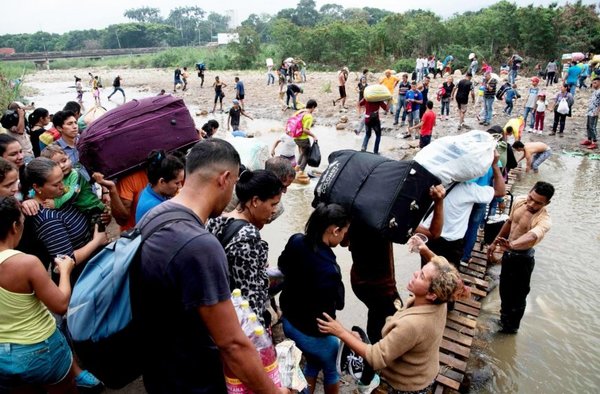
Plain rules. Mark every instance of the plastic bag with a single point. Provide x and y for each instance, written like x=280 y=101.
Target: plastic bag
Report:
x=288 y=359
x=253 y=152
x=314 y=155
x=563 y=106
x=458 y=158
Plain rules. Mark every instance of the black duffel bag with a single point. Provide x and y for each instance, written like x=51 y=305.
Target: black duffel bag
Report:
x=388 y=195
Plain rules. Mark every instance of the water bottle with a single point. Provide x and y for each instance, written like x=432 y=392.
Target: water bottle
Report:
x=268 y=354
x=236 y=298
x=243 y=311
x=249 y=324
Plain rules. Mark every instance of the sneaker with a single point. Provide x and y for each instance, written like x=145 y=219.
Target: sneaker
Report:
x=586 y=142
x=88 y=383
x=367 y=389
x=348 y=362
x=593 y=145
x=356 y=132
x=529 y=130
x=539 y=132
x=553 y=133
x=402 y=124
x=395 y=124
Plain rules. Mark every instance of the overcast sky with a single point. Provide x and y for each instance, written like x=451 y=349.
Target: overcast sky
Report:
x=52 y=15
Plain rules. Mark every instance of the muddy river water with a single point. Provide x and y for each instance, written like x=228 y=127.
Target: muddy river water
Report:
x=557 y=349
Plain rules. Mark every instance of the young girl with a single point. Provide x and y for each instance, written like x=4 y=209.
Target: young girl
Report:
x=38 y=120
x=448 y=88
x=79 y=89
x=540 y=111
x=313 y=286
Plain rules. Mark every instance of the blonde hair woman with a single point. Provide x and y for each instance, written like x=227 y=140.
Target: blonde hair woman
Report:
x=407 y=357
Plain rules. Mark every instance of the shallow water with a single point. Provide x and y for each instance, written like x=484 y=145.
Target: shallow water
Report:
x=557 y=348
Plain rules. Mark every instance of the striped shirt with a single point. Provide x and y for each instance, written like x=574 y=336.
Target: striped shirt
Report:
x=62 y=231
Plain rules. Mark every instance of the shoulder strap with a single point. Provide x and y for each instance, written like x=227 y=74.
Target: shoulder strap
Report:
x=165 y=218
x=430 y=210
x=231 y=230
x=7 y=254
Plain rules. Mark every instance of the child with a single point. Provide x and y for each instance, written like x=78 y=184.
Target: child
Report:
x=287 y=150
x=96 y=91
x=540 y=111
x=79 y=89
x=530 y=104
x=77 y=189
x=233 y=119
x=510 y=96
x=426 y=126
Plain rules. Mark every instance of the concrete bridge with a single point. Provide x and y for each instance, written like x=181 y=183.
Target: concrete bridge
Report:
x=42 y=59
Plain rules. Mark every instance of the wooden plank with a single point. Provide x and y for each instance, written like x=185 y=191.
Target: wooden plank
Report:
x=460 y=328
x=458 y=337
x=465 y=321
x=477 y=292
x=439 y=389
x=453 y=362
x=449 y=373
x=475 y=281
x=482 y=269
x=443 y=380
x=455 y=348
x=466 y=309
x=467 y=271
x=471 y=302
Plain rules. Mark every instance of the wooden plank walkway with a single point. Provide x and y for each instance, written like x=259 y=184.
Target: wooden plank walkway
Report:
x=462 y=321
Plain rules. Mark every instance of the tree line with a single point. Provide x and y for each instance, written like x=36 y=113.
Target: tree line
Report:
x=332 y=35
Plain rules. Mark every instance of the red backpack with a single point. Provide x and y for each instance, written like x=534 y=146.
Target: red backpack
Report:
x=293 y=127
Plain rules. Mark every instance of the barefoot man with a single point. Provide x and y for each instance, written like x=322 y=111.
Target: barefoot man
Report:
x=534 y=153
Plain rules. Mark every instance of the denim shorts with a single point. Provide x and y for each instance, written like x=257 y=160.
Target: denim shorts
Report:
x=320 y=353
x=44 y=363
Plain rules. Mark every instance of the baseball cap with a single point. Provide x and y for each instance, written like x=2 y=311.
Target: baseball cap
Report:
x=235 y=101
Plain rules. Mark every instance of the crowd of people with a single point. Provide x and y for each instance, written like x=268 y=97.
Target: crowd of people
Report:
x=54 y=215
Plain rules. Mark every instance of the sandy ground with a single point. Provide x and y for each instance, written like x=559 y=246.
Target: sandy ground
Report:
x=262 y=101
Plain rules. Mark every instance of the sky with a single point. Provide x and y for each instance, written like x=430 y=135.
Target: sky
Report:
x=50 y=15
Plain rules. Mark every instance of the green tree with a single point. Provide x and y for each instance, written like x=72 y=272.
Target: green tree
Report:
x=144 y=15
x=186 y=20
x=247 y=49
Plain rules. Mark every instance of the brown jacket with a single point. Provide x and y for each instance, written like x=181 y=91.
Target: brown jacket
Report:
x=408 y=355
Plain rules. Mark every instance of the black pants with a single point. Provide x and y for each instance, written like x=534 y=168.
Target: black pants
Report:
x=451 y=250
x=559 y=118
x=550 y=78
x=514 y=286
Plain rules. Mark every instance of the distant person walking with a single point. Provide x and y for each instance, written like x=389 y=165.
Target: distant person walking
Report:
x=117 y=87
x=177 y=79
x=79 y=89
x=240 y=92
x=201 y=68
x=184 y=77
x=219 y=93
x=551 y=70
x=342 y=78
x=461 y=94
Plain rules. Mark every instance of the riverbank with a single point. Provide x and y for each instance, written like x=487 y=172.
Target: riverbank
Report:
x=262 y=101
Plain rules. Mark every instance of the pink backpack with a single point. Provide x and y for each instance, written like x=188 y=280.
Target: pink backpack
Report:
x=293 y=127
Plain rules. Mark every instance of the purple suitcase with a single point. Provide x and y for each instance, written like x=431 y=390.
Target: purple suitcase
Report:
x=121 y=139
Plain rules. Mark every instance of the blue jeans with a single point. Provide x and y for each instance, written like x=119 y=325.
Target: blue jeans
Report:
x=572 y=87
x=290 y=95
x=445 y=106
x=320 y=353
x=509 y=107
x=526 y=112
x=373 y=125
x=489 y=108
x=401 y=105
x=270 y=78
x=539 y=158
x=512 y=76
x=582 y=81
x=477 y=215
x=44 y=363
x=592 y=122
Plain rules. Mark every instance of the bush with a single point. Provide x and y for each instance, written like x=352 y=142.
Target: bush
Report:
x=405 y=65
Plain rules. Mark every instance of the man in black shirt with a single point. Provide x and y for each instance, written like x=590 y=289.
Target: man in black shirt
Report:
x=181 y=287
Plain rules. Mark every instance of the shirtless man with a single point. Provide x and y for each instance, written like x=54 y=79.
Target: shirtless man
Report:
x=342 y=78
x=535 y=153
x=528 y=223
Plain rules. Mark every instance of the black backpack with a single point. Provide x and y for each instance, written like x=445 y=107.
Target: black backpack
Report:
x=502 y=91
